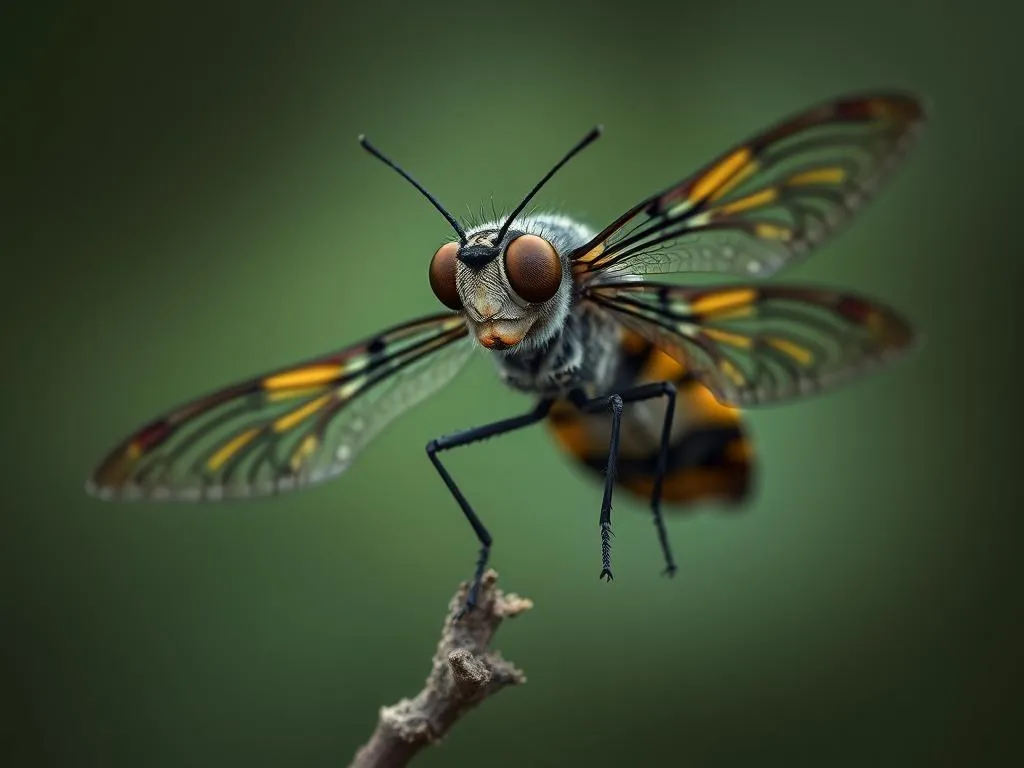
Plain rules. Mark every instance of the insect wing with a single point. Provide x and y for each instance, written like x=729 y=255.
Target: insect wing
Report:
x=757 y=344
x=765 y=202
x=288 y=428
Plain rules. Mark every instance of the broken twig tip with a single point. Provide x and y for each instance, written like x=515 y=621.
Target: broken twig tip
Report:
x=468 y=671
x=465 y=672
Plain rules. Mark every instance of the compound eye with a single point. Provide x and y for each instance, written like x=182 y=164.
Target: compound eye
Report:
x=533 y=268
x=442 y=276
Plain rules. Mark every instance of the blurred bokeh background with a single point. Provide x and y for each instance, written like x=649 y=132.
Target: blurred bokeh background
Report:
x=186 y=204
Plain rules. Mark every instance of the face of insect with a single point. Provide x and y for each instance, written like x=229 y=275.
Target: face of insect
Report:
x=514 y=293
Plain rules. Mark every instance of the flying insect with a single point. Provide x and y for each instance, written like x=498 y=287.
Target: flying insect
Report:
x=640 y=380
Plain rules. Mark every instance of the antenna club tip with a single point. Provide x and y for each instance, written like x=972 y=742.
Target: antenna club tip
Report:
x=361 y=138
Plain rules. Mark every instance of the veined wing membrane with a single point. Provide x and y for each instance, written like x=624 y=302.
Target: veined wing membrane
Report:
x=288 y=428
x=759 y=344
x=765 y=202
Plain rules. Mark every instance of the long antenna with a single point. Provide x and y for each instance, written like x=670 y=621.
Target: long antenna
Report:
x=594 y=133
x=433 y=200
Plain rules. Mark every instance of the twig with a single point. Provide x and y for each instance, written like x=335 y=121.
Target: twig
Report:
x=464 y=674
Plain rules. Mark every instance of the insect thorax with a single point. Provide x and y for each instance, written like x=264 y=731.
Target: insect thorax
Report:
x=584 y=352
x=583 y=355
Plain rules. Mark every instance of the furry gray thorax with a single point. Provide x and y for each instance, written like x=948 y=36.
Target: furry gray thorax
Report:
x=582 y=355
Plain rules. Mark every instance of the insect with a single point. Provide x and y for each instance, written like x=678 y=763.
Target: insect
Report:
x=640 y=380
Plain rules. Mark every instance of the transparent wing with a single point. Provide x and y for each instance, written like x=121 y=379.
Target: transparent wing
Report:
x=288 y=428
x=758 y=344
x=765 y=202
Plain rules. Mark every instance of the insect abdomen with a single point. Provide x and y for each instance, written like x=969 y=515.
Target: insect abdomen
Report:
x=710 y=457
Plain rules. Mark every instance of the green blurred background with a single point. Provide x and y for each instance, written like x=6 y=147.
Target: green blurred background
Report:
x=187 y=204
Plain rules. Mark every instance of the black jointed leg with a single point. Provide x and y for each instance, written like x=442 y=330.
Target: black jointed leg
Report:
x=466 y=437
x=615 y=402
x=669 y=391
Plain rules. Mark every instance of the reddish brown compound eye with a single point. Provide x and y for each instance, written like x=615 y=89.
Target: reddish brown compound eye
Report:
x=442 y=276
x=533 y=268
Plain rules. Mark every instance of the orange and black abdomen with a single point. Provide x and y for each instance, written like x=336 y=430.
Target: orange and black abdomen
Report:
x=710 y=458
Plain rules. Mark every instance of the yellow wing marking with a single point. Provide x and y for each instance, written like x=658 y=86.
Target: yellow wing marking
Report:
x=277 y=395
x=738 y=313
x=733 y=339
x=748 y=170
x=290 y=419
x=720 y=174
x=310 y=376
x=722 y=301
x=230 y=448
x=830 y=175
x=592 y=254
x=306 y=447
x=734 y=373
x=799 y=353
x=772 y=231
x=755 y=200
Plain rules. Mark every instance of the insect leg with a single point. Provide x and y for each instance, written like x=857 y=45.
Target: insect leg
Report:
x=645 y=393
x=636 y=394
x=614 y=402
x=466 y=437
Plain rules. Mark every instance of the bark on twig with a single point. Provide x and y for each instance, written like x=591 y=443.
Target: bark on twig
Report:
x=464 y=674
